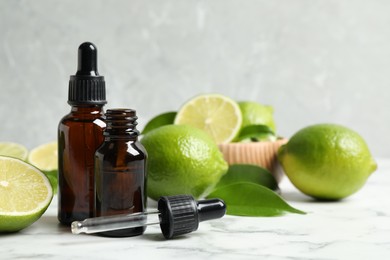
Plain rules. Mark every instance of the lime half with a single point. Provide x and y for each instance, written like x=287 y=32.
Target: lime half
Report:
x=216 y=114
x=25 y=194
x=13 y=150
x=45 y=158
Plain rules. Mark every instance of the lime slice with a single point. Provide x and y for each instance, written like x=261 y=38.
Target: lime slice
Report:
x=216 y=114
x=45 y=157
x=13 y=150
x=25 y=194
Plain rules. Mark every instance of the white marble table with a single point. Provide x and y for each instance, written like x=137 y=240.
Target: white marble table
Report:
x=356 y=228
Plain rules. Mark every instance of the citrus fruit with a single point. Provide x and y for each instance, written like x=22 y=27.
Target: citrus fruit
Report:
x=25 y=194
x=327 y=161
x=13 y=150
x=182 y=160
x=254 y=113
x=216 y=114
x=45 y=158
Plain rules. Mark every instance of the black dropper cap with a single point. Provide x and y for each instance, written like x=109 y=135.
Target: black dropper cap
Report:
x=87 y=87
x=181 y=214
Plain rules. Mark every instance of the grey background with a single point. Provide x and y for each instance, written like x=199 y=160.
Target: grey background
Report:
x=314 y=61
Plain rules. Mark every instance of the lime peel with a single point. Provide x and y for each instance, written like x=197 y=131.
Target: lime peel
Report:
x=327 y=161
x=254 y=113
x=182 y=160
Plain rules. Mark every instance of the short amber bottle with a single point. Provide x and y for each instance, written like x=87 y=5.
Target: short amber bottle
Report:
x=120 y=170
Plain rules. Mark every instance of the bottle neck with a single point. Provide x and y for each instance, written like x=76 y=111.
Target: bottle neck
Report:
x=87 y=108
x=121 y=124
x=87 y=112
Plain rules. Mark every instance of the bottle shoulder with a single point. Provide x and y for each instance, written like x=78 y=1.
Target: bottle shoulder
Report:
x=69 y=121
x=129 y=147
x=85 y=117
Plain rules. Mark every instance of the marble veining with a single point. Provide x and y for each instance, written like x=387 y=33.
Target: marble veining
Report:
x=356 y=228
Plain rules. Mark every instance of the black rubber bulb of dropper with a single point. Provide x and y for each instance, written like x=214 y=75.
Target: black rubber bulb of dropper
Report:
x=181 y=214
x=87 y=60
x=211 y=209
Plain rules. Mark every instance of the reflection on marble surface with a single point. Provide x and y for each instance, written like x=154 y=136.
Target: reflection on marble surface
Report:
x=356 y=228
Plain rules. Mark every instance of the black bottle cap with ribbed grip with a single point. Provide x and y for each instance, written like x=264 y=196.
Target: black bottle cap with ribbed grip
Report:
x=181 y=214
x=87 y=87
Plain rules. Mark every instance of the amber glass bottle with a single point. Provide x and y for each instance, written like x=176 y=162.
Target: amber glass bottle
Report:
x=120 y=170
x=80 y=133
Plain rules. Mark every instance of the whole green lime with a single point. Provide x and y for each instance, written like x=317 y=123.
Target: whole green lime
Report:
x=327 y=161
x=182 y=160
x=254 y=113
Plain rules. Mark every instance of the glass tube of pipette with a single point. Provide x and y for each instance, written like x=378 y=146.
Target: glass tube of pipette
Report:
x=115 y=222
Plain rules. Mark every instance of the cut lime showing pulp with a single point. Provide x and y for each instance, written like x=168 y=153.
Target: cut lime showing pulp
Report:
x=216 y=114
x=45 y=157
x=25 y=194
x=13 y=150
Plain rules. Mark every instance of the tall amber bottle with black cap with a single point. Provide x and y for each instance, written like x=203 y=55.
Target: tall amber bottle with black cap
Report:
x=80 y=133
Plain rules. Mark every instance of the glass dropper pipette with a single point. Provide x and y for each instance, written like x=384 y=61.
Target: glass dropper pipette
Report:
x=177 y=215
x=115 y=222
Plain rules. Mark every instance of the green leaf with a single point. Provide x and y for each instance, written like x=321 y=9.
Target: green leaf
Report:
x=248 y=173
x=250 y=199
x=256 y=133
x=159 y=120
